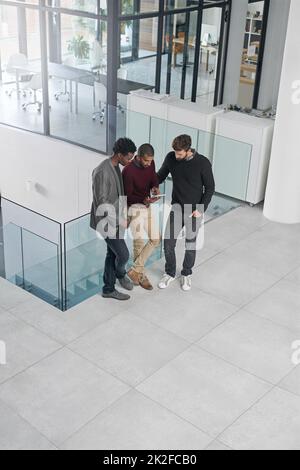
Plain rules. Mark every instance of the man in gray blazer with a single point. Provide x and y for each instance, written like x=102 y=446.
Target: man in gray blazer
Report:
x=107 y=217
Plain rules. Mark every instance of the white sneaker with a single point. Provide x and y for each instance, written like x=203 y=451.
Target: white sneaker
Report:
x=166 y=281
x=186 y=283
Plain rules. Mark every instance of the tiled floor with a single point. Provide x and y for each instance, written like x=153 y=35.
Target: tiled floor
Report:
x=212 y=369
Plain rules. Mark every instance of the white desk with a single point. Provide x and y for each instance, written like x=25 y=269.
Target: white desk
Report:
x=192 y=43
x=65 y=72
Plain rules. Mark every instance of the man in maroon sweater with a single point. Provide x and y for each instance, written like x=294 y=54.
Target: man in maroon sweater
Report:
x=140 y=180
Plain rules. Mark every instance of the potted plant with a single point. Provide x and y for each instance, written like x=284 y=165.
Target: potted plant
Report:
x=79 y=47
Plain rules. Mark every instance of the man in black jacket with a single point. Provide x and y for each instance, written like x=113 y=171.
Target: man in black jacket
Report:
x=193 y=189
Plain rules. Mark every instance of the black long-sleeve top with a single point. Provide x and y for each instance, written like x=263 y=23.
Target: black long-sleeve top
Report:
x=193 y=180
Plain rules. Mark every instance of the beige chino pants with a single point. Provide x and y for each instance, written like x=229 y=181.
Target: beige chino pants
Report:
x=143 y=222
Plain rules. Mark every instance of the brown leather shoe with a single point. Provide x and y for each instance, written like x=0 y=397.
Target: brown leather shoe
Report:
x=145 y=283
x=134 y=277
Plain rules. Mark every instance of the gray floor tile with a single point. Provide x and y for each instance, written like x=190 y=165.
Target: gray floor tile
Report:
x=129 y=348
x=11 y=295
x=216 y=445
x=232 y=229
x=272 y=424
x=204 y=390
x=282 y=232
x=231 y=280
x=61 y=394
x=189 y=315
x=2 y=310
x=24 y=345
x=256 y=345
x=65 y=326
x=136 y=422
x=291 y=383
x=250 y=217
x=280 y=303
x=294 y=276
x=280 y=254
x=17 y=434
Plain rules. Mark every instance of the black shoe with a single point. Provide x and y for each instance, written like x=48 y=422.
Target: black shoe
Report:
x=126 y=283
x=116 y=296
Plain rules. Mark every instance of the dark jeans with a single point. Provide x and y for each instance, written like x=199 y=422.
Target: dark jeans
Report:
x=115 y=264
x=177 y=220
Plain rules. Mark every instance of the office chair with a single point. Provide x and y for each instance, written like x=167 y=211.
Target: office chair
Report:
x=123 y=74
x=16 y=60
x=34 y=85
x=98 y=58
x=69 y=61
x=176 y=48
x=100 y=97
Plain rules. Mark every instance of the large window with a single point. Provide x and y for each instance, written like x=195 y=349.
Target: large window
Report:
x=178 y=45
x=67 y=66
x=253 y=52
x=20 y=72
x=74 y=77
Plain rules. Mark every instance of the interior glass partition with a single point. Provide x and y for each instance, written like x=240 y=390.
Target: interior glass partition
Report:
x=21 y=97
x=78 y=80
x=253 y=53
x=209 y=54
x=32 y=247
x=54 y=73
x=89 y=6
x=189 y=35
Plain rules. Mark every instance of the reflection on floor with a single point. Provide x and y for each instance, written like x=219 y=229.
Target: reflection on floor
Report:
x=220 y=205
x=215 y=365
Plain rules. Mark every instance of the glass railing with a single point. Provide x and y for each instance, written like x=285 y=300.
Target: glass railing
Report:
x=62 y=262
x=85 y=254
x=32 y=252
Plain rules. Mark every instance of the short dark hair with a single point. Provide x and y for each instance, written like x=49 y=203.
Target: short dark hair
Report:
x=124 y=146
x=146 y=149
x=182 y=142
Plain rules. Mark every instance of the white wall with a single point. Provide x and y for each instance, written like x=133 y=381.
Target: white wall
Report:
x=60 y=171
x=282 y=202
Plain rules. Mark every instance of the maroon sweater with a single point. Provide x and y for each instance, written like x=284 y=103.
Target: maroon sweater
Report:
x=138 y=182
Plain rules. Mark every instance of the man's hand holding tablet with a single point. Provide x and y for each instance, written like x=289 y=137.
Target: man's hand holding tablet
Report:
x=154 y=197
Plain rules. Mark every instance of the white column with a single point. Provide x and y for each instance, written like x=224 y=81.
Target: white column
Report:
x=282 y=203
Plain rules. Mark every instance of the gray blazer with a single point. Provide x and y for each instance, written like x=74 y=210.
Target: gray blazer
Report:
x=107 y=189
